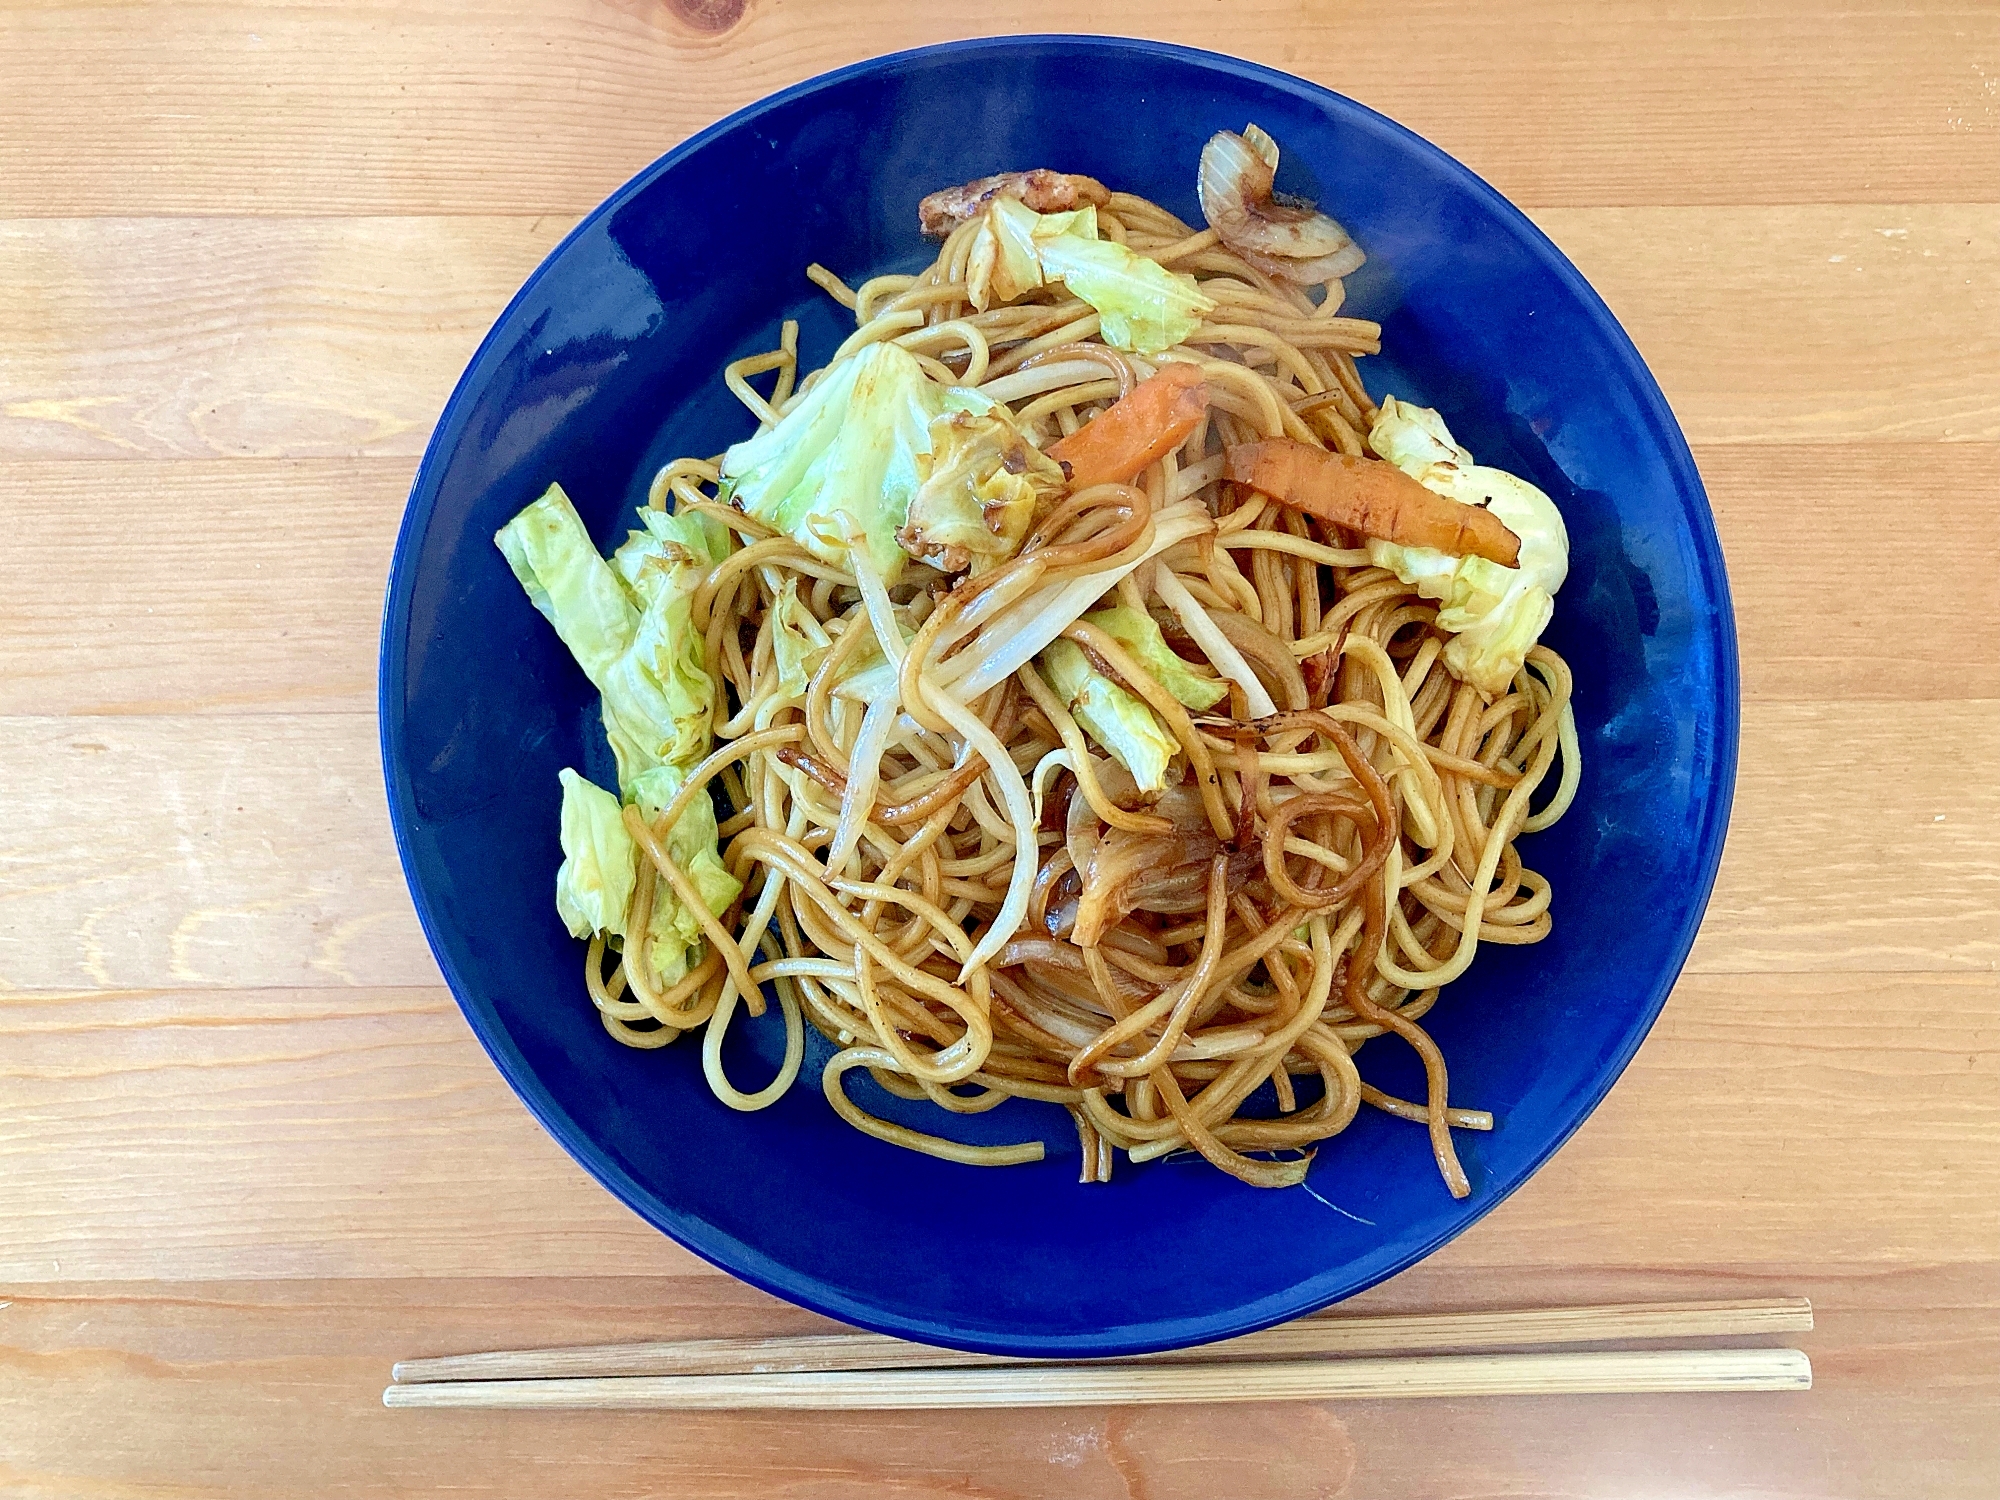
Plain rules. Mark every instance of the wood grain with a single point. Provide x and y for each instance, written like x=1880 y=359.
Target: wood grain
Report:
x=283 y=1133
x=321 y=108
x=249 y=1152
x=246 y=337
x=333 y=336
x=1870 y=321
x=250 y=851
x=171 y=1358
x=1812 y=538
x=1816 y=878
x=258 y=587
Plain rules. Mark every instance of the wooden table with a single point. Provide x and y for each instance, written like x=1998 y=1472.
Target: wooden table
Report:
x=249 y=1152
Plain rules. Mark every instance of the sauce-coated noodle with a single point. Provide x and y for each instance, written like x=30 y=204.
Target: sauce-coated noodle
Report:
x=917 y=866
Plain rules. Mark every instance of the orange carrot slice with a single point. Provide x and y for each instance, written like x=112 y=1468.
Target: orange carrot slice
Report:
x=1155 y=418
x=1369 y=496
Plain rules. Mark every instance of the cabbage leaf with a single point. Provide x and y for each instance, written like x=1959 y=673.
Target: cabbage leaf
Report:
x=1141 y=305
x=594 y=881
x=1117 y=720
x=555 y=560
x=1139 y=633
x=983 y=483
x=628 y=623
x=843 y=462
x=1494 y=614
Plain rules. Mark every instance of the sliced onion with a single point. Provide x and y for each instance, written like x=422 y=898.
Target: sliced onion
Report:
x=1123 y=872
x=1287 y=239
x=1308 y=272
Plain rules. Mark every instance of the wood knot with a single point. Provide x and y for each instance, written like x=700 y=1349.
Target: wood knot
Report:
x=709 y=17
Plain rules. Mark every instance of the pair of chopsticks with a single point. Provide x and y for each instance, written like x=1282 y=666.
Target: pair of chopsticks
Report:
x=866 y=1371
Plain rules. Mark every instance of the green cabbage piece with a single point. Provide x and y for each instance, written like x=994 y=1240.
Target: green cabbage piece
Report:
x=1119 y=722
x=691 y=843
x=1139 y=633
x=1006 y=258
x=659 y=701
x=672 y=551
x=1490 y=650
x=629 y=624
x=1495 y=614
x=965 y=398
x=1413 y=437
x=628 y=627
x=1140 y=304
x=601 y=864
x=594 y=881
x=866 y=675
x=844 y=460
x=983 y=482
x=799 y=642
x=557 y=563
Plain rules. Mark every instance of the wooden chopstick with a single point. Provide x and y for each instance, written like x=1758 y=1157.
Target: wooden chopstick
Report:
x=1330 y=1334
x=1596 y=1372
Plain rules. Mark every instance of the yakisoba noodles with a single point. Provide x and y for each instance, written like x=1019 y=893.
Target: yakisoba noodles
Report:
x=1078 y=690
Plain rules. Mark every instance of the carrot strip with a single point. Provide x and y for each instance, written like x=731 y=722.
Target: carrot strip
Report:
x=1147 y=424
x=1369 y=496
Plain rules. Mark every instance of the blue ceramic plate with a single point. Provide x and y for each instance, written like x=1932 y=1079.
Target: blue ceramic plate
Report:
x=608 y=362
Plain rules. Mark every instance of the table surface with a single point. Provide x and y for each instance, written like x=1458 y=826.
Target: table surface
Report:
x=250 y=1153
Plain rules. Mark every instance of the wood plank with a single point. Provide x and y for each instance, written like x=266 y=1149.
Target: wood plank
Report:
x=1789 y=1099
x=215 y=586
x=247 y=851
x=1891 y=315
x=323 y=337
x=249 y=338
x=1820 y=875
x=272 y=1390
x=1863 y=576
x=309 y=1133
x=433 y=107
x=253 y=851
x=257 y=584
x=282 y=1133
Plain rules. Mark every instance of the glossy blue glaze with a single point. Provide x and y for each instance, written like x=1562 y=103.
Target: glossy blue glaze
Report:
x=607 y=363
